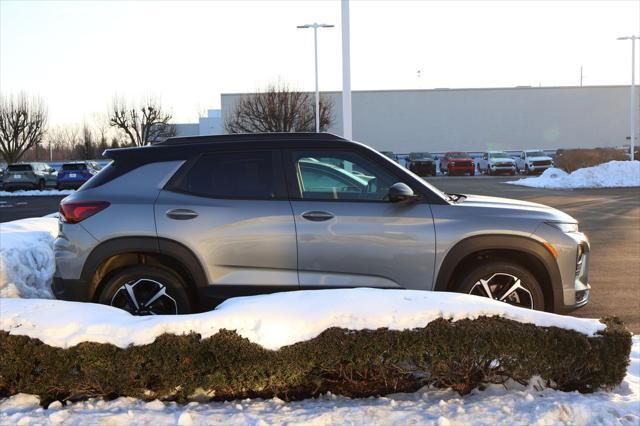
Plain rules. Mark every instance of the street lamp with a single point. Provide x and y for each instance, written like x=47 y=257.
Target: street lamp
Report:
x=632 y=101
x=315 y=27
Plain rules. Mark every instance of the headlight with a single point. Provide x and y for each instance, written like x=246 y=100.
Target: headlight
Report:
x=565 y=227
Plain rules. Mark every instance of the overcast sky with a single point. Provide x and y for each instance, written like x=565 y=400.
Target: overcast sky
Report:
x=78 y=55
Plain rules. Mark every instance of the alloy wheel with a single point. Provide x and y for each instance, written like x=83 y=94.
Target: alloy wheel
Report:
x=144 y=297
x=504 y=288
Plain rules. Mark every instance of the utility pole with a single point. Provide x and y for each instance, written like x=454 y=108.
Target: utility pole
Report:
x=632 y=97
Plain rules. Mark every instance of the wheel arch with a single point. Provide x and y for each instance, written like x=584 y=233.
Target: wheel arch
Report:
x=117 y=253
x=526 y=251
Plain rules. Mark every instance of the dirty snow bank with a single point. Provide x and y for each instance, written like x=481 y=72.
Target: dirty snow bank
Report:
x=26 y=257
x=272 y=321
x=36 y=193
x=511 y=404
x=613 y=174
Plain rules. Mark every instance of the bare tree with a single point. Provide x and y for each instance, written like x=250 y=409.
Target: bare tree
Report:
x=143 y=123
x=278 y=109
x=23 y=123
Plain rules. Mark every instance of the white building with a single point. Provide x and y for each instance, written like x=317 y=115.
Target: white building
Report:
x=212 y=124
x=480 y=119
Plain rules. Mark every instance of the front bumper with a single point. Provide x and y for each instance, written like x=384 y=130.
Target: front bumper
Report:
x=503 y=169
x=573 y=253
x=539 y=169
x=461 y=169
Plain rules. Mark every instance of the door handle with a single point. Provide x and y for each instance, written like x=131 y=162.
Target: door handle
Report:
x=317 y=216
x=181 y=214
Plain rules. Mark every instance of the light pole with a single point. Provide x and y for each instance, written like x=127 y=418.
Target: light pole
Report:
x=315 y=27
x=347 y=124
x=632 y=100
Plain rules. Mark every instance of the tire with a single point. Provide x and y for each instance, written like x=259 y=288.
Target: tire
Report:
x=500 y=276
x=146 y=283
x=41 y=185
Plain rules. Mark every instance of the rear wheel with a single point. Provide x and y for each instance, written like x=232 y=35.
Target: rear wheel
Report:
x=503 y=281
x=146 y=290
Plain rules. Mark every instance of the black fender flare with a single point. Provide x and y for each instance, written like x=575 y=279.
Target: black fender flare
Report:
x=480 y=243
x=149 y=245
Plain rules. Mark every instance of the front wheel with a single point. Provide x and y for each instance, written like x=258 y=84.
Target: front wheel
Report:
x=146 y=290
x=41 y=185
x=503 y=281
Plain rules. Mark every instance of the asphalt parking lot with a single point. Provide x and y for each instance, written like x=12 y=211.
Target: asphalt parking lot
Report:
x=609 y=217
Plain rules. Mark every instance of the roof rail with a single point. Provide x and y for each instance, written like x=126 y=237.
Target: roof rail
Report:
x=244 y=137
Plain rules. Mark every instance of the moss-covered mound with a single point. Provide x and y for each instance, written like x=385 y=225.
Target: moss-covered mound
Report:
x=461 y=355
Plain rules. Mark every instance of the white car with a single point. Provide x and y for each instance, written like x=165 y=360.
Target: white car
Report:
x=494 y=162
x=533 y=161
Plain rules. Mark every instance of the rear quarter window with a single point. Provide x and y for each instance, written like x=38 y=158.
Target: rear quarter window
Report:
x=241 y=175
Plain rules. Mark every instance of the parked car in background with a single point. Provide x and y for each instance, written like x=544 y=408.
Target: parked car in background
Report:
x=73 y=175
x=533 y=161
x=29 y=176
x=495 y=162
x=390 y=155
x=178 y=226
x=422 y=164
x=454 y=163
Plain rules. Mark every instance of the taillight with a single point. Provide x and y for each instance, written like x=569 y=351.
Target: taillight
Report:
x=77 y=212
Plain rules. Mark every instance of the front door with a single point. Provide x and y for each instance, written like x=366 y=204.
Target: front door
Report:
x=349 y=234
x=231 y=210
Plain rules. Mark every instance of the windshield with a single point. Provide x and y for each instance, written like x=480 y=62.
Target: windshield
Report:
x=458 y=155
x=498 y=155
x=19 y=168
x=418 y=155
x=536 y=154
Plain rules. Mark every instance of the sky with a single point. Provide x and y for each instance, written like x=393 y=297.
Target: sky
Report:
x=78 y=55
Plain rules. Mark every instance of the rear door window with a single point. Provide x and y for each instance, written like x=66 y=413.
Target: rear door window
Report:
x=241 y=175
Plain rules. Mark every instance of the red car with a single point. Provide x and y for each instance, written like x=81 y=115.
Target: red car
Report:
x=457 y=163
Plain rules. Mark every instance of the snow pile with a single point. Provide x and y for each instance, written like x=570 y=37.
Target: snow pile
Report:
x=497 y=404
x=272 y=321
x=26 y=257
x=34 y=193
x=613 y=174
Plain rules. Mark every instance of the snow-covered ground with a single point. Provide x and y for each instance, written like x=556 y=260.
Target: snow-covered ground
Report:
x=26 y=257
x=613 y=174
x=35 y=193
x=512 y=404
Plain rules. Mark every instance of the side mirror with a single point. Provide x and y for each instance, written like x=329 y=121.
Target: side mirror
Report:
x=399 y=192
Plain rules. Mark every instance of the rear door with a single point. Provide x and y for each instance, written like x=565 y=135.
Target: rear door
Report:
x=349 y=234
x=231 y=210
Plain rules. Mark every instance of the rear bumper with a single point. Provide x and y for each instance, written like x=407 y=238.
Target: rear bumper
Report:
x=70 y=184
x=11 y=186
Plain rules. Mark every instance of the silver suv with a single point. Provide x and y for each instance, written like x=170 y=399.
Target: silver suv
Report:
x=179 y=226
x=29 y=176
